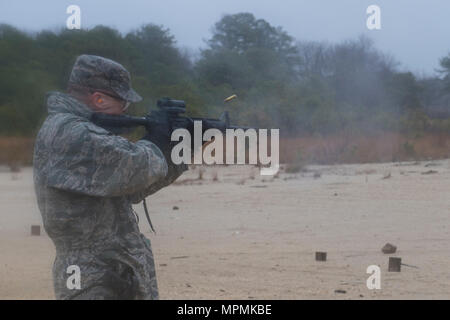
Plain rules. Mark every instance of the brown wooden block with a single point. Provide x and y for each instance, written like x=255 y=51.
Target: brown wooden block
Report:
x=35 y=230
x=394 y=264
x=321 y=256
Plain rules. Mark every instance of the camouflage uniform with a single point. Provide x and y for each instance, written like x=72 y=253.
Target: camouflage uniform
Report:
x=86 y=180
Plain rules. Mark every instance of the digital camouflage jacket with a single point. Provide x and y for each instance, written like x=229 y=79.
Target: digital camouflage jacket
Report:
x=86 y=180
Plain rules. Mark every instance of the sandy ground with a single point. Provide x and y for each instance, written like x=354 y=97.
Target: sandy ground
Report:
x=254 y=238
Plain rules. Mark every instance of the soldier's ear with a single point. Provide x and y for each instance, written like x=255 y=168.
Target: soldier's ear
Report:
x=97 y=100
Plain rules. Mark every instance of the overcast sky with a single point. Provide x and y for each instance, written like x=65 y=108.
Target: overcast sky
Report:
x=416 y=32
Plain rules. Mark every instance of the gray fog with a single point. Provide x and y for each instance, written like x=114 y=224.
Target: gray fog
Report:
x=415 y=32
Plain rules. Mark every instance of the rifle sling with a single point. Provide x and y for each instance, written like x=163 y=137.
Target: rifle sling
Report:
x=148 y=216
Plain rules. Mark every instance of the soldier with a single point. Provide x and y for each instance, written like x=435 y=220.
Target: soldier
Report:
x=86 y=179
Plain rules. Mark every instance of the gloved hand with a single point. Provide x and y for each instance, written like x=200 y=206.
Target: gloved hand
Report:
x=160 y=137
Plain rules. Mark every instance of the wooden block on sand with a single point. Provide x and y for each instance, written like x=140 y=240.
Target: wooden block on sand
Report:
x=35 y=230
x=394 y=264
x=321 y=256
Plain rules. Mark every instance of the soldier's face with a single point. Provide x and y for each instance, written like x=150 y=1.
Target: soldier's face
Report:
x=104 y=103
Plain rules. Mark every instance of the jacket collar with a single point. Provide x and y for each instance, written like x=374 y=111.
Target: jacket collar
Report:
x=58 y=102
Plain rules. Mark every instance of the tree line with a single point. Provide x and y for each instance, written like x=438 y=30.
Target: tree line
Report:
x=301 y=87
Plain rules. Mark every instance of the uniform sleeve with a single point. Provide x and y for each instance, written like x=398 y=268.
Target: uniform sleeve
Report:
x=90 y=160
x=167 y=180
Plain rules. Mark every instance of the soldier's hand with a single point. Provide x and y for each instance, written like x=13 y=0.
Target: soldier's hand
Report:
x=160 y=136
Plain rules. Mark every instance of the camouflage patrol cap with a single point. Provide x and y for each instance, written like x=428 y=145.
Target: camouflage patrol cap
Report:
x=100 y=73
